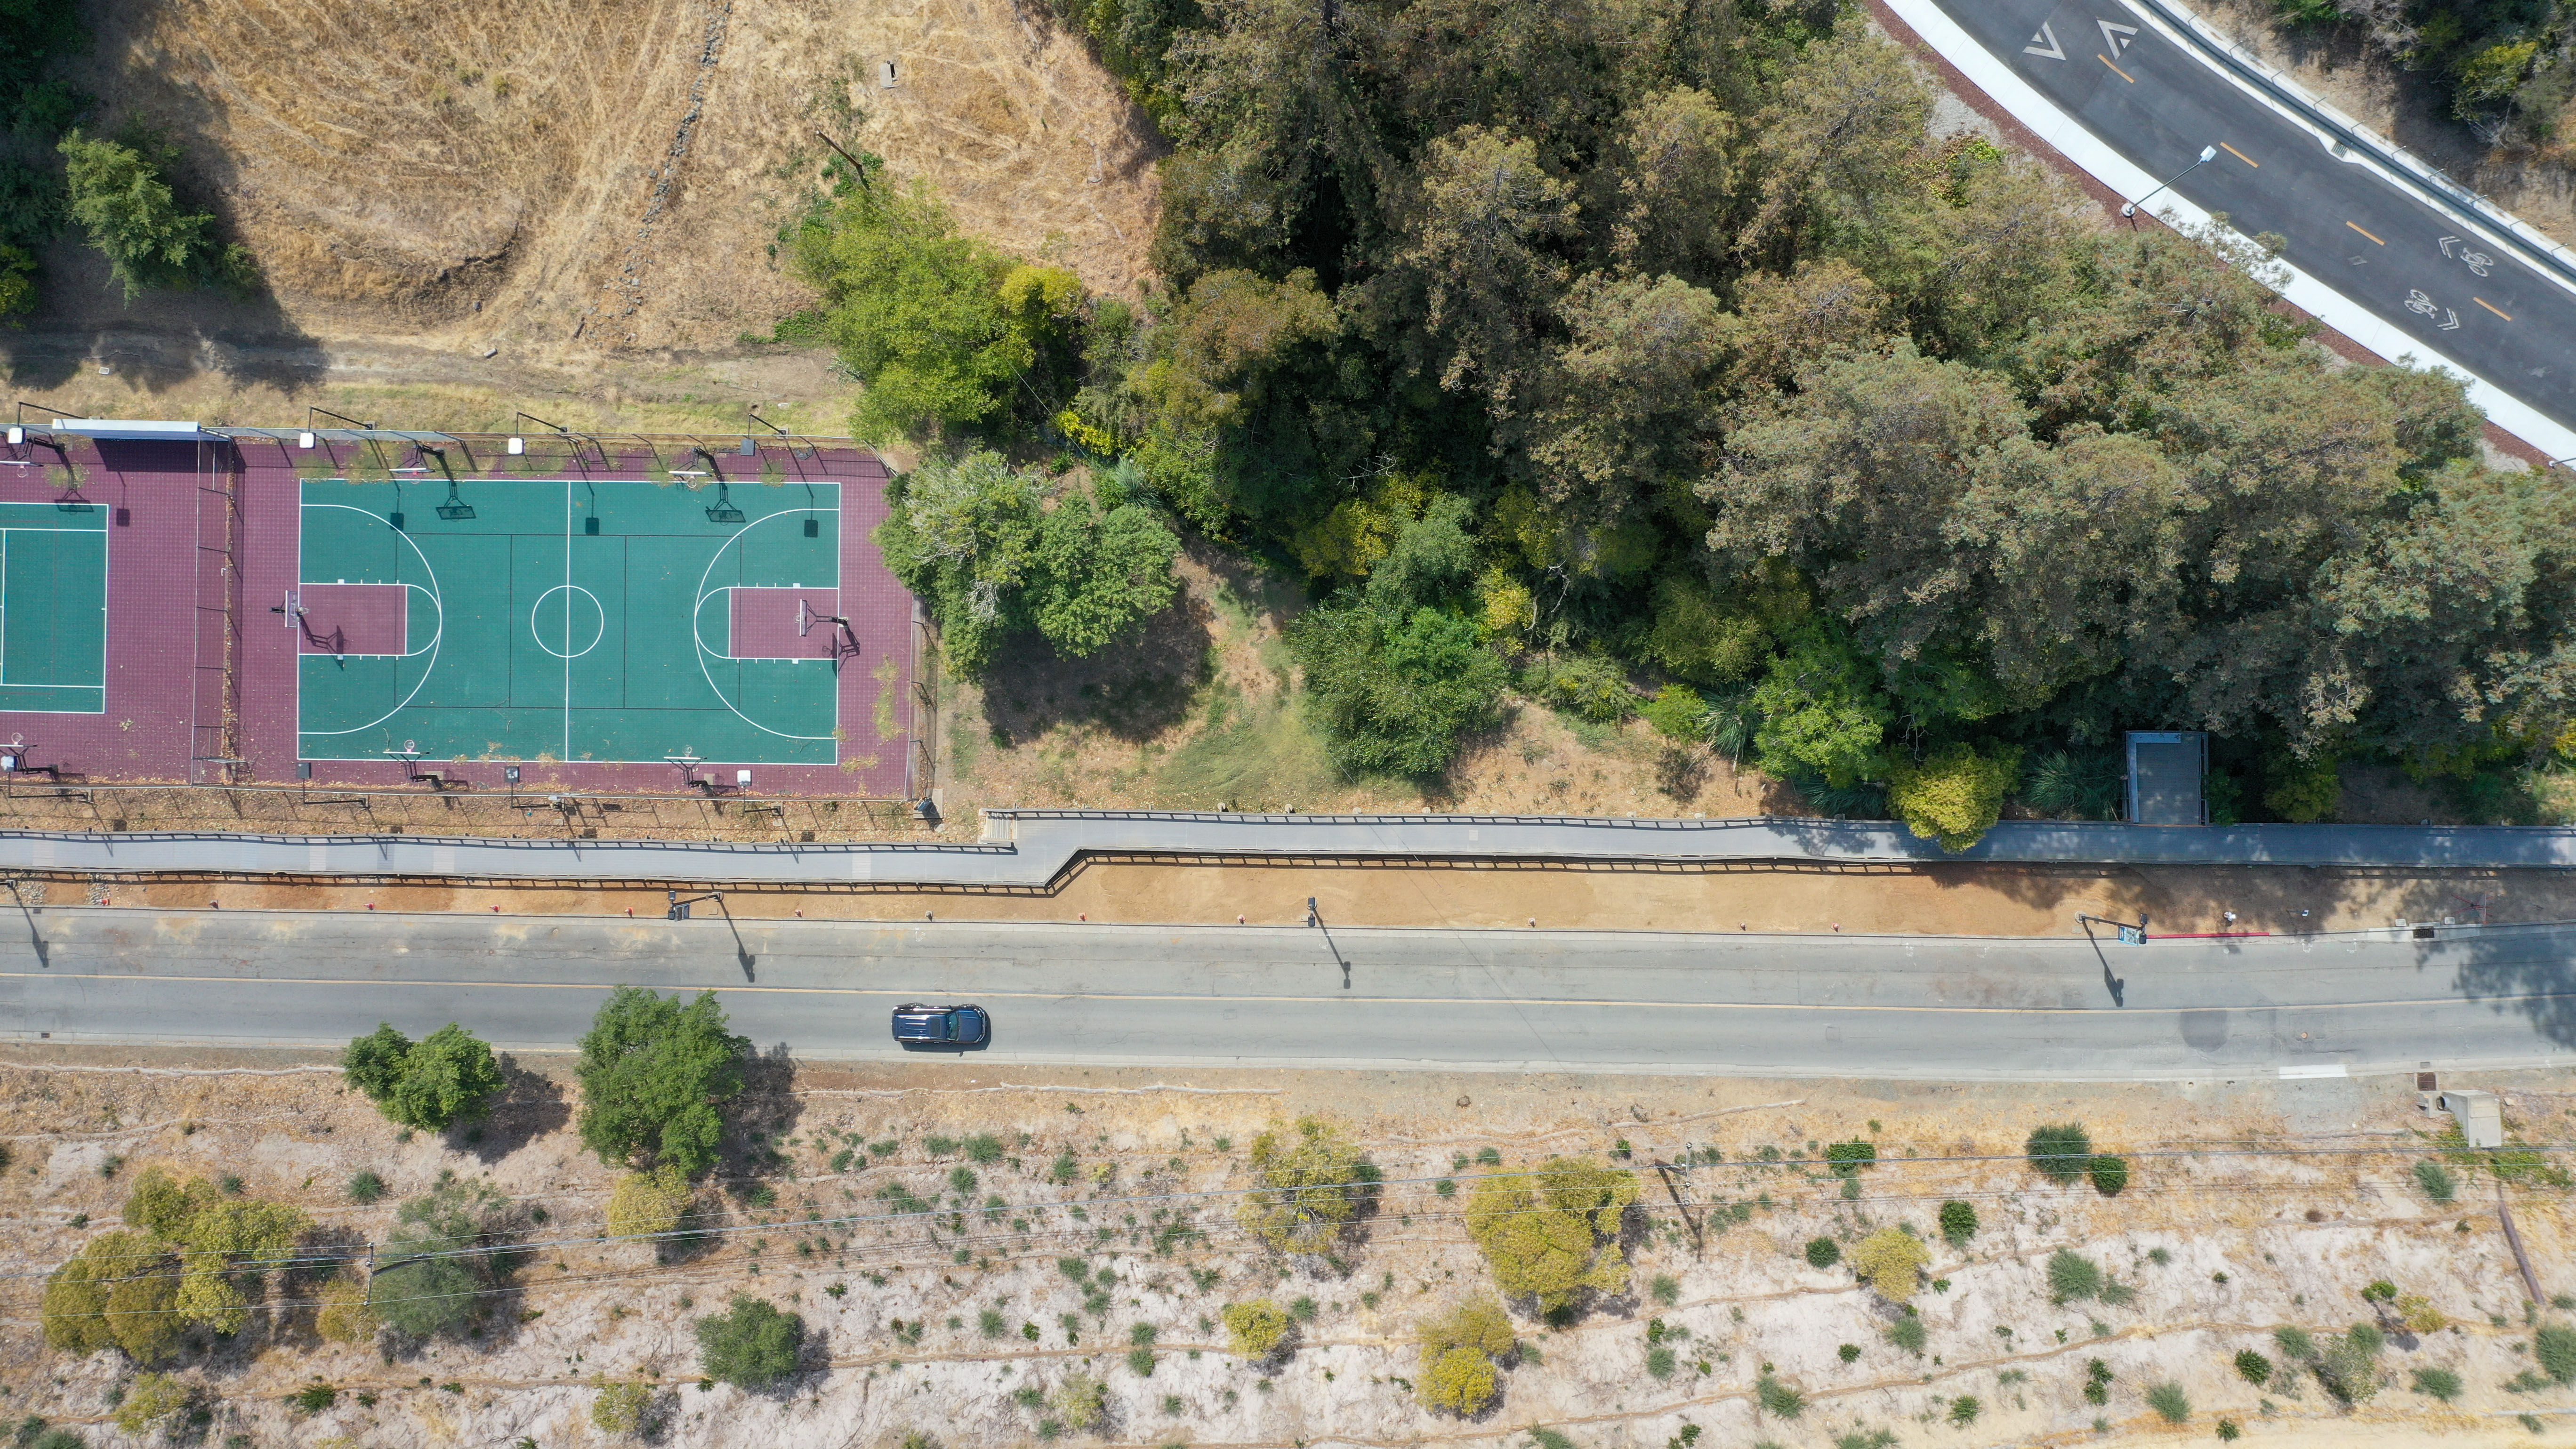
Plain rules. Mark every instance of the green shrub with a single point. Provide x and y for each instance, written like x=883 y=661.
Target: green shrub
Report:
x=119 y=1291
x=1779 y=1400
x=2379 y=1290
x=2072 y=1277
x=751 y=1345
x=365 y=1187
x=2170 y=1403
x=2060 y=1150
x=119 y=193
x=2348 y=1364
x=1660 y=1362
x=155 y=1402
x=1823 y=1252
x=1677 y=712
x=2303 y=791
x=1954 y=795
x=1667 y=1289
x=431 y=1276
x=2436 y=1181
x=2554 y=1347
x=2109 y=1174
x=2229 y=1432
x=2253 y=1367
x=1908 y=1334
x=314 y=1397
x=1846 y=1159
x=1958 y=1223
x=2295 y=1341
x=2437 y=1383
x=1964 y=1410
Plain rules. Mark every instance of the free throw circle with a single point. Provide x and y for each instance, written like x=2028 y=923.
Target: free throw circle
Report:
x=569 y=627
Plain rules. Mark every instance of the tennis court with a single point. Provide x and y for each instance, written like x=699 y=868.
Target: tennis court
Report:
x=570 y=620
x=53 y=608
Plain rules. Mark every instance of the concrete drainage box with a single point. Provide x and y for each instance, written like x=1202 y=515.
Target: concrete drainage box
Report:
x=2165 y=772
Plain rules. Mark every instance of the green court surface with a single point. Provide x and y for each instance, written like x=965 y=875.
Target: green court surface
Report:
x=568 y=620
x=53 y=608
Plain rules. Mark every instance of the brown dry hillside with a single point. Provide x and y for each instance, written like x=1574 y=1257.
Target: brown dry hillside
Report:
x=572 y=180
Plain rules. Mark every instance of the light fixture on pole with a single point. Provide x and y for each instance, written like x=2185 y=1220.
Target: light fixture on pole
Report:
x=2207 y=155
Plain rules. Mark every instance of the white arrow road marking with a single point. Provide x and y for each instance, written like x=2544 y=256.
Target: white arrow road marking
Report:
x=2446 y=244
x=2116 y=35
x=2453 y=323
x=2044 y=45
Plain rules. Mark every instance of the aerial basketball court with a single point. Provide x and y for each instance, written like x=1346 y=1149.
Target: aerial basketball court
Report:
x=600 y=621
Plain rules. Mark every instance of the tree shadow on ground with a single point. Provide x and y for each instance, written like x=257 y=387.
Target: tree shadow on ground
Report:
x=2520 y=971
x=531 y=1106
x=1135 y=688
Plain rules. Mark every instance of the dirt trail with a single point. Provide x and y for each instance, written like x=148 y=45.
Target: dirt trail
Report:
x=1961 y=900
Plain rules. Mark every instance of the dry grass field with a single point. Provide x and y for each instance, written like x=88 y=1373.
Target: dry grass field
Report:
x=463 y=206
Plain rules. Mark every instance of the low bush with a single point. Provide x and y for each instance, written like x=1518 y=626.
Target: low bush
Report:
x=2170 y=1403
x=2437 y=1383
x=1965 y=1409
x=1081 y=1402
x=649 y=1204
x=1823 y=1252
x=1958 y=1223
x=2418 y=1314
x=1891 y=1262
x=1461 y=1352
x=2072 y=1277
x=345 y=1315
x=2060 y=1150
x=2253 y=1367
x=2295 y=1341
x=1779 y=1400
x=622 y=1408
x=154 y=1402
x=2348 y=1364
x=2554 y=1347
x=1908 y=1334
x=750 y=1345
x=2436 y=1181
x=1258 y=1328
x=2109 y=1174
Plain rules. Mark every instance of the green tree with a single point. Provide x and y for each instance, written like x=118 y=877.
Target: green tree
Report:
x=1550 y=1233
x=750 y=1345
x=655 y=1074
x=224 y=1243
x=1821 y=713
x=374 y=1063
x=1310 y=1182
x=919 y=312
x=977 y=539
x=118 y=1291
x=450 y=1076
x=117 y=193
x=446 y=1256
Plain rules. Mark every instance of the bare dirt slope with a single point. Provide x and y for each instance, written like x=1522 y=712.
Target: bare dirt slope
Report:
x=1112 y=1245
x=569 y=182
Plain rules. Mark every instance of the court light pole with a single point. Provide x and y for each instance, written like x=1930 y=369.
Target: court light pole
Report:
x=2207 y=155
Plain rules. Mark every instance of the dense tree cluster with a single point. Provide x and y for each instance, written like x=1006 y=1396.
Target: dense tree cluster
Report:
x=449 y=1076
x=1655 y=349
x=2507 y=67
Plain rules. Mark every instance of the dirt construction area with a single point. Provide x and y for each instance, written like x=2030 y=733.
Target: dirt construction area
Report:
x=965 y=1252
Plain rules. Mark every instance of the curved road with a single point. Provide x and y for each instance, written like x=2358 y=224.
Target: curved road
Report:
x=2441 y=278
x=1935 y=1008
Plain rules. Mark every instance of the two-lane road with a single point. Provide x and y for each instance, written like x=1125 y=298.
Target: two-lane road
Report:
x=2154 y=101
x=1493 y=1000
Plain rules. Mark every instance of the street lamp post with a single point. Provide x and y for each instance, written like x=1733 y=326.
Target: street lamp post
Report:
x=2207 y=155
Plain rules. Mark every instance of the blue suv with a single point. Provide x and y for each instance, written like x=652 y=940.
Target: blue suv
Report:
x=941 y=1026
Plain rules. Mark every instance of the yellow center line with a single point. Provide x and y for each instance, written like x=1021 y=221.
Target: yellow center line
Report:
x=1203 y=997
x=2115 y=70
x=2239 y=155
x=2492 y=307
x=2357 y=226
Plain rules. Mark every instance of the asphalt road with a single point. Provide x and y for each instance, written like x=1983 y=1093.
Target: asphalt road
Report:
x=2158 y=105
x=1476 y=1000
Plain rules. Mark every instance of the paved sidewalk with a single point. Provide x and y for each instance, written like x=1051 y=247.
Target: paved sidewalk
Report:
x=1031 y=848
